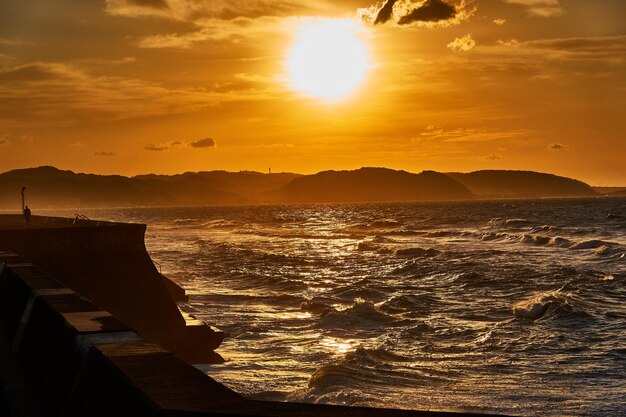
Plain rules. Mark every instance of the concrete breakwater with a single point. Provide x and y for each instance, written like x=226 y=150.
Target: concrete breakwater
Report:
x=64 y=354
x=108 y=263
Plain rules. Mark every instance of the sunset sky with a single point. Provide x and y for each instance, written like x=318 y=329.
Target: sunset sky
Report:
x=167 y=86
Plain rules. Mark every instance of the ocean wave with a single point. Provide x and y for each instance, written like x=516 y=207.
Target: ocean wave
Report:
x=376 y=355
x=384 y=224
x=541 y=240
x=534 y=307
x=610 y=251
x=357 y=368
x=286 y=300
x=417 y=252
x=591 y=244
x=508 y=222
x=535 y=240
x=561 y=242
x=408 y=303
x=273 y=282
x=315 y=307
x=187 y=222
x=382 y=239
x=221 y=224
x=367 y=246
x=489 y=236
x=412 y=268
x=291 y=233
x=472 y=279
x=544 y=228
x=362 y=314
x=602 y=247
x=547 y=305
x=441 y=233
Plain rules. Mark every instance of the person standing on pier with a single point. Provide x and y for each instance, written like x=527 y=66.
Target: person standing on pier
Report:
x=25 y=209
x=26 y=216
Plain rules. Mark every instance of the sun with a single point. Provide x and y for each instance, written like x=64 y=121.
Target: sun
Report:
x=328 y=60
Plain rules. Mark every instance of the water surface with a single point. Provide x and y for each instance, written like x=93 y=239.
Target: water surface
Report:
x=515 y=307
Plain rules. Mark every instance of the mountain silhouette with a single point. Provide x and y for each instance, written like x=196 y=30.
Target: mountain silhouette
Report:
x=611 y=191
x=372 y=184
x=49 y=187
x=521 y=184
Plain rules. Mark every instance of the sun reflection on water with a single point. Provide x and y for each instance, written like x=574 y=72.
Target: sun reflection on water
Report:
x=338 y=346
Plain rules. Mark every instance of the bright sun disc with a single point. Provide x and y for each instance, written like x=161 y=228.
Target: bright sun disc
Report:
x=328 y=60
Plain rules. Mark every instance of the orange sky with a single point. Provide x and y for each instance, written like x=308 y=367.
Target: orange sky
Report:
x=134 y=86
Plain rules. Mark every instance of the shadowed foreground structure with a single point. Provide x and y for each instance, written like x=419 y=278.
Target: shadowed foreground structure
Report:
x=88 y=327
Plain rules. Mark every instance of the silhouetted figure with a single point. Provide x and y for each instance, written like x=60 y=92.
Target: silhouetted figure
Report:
x=26 y=216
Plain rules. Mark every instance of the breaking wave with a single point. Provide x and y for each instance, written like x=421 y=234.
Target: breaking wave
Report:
x=362 y=314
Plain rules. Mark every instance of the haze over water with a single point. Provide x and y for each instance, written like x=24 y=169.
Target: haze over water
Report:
x=513 y=307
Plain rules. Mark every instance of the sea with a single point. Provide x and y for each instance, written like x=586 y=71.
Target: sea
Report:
x=515 y=307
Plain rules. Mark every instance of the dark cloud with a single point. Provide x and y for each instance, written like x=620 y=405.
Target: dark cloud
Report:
x=385 y=12
x=29 y=73
x=556 y=147
x=605 y=45
x=176 y=143
x=431 y=11
x=155 y=148
x=156 y=4
x=104 y=153
x=203 y=143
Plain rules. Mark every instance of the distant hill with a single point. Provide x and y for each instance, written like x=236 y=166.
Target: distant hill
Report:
x=248 y=184
x=49 y=187
x=611 y=191
x=372 y=184
x=521 y=184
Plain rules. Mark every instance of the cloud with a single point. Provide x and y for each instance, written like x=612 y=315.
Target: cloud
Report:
x=53 y=94
x=431 y=11
x=13 y=41
x=4 y=142
x=101 y=153
x=499 y=22
x=203 y=143
x=472 y=134
x=556 y=147
x=385 y=12
x=192 y=10
x=493 y=157
x=155 y=148
x=540 y=8
x=463 y=44
x=424 y=13
x=156 y=4
x=564 y=59
x=216 y=30
x=176 y=143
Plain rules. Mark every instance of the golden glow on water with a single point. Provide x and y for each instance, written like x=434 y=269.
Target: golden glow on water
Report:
x=338 y=346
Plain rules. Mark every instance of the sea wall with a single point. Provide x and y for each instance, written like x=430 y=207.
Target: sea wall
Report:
x=108 y=263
